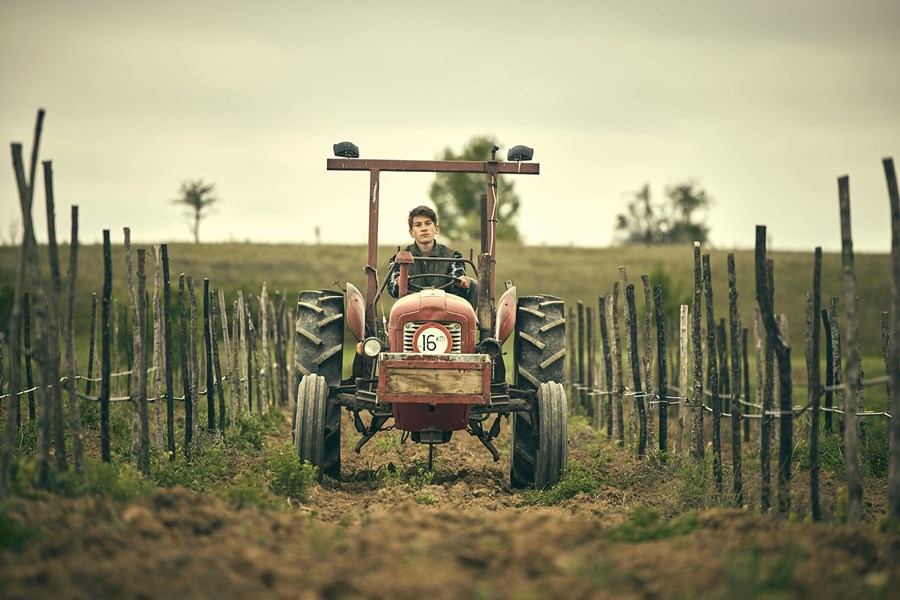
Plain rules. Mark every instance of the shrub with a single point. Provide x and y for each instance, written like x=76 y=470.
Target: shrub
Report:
x=288 y=475
x=578 y=478
x=15 y=535
x=644 y=524
x=696 y=487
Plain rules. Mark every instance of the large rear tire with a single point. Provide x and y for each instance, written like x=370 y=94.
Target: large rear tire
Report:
x=319 y=335
x=540 y=344
x=318 y=350
x=540 y=439
x=318 y=426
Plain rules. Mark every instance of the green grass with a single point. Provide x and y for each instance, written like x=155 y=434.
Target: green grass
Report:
x=644 y=524
x=570 y=273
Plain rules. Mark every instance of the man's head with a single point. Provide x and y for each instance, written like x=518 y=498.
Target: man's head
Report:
x=423 y=226
x=422 y=211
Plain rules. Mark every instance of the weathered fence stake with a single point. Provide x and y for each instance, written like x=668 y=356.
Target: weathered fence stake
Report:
x=29 y=368
x=592 y=409
x=167 y=348
x=71 y=382
x=683 y=361
x=186 y=371
x=214 y=326
x=648 y=360
x=813 y=307
x=713 y=376
x=207 y=342
x=635 y=369
x=195 y=369
x=892 y=362
x=736 y=408
x=105 y=349
x=618 y=385
x=697 y=448
x=851 y=433
x=607 y=365
x=661 y=372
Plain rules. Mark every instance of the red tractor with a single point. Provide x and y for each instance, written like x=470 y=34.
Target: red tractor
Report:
x=435 y=365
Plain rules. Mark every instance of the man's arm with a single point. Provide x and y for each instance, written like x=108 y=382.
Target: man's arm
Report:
x=458 y=270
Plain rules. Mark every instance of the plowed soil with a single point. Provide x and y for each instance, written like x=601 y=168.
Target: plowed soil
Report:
x=385 y=531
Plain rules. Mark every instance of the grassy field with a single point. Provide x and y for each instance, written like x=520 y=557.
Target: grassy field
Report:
x=570 y=273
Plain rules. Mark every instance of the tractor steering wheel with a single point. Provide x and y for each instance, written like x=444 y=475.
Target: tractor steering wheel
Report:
x=452 y=279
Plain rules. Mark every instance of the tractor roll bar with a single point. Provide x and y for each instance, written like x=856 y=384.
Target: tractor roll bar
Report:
x=491 y=168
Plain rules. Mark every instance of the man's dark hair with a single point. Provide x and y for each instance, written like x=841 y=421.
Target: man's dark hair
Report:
x=422 y=211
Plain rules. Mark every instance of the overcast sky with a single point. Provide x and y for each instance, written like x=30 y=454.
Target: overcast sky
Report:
x=763 y=103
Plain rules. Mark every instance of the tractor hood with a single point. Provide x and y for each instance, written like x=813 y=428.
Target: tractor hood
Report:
x=433 y=306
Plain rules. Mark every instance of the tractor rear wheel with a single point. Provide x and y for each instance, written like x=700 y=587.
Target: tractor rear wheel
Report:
x=540 y=344
x=539 y=440
x=319 y=335
x=317 y=426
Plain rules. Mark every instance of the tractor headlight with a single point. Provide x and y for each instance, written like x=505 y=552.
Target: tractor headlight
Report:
x=372 y=347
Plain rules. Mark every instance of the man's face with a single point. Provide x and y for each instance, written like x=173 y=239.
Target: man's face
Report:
x=423 y=230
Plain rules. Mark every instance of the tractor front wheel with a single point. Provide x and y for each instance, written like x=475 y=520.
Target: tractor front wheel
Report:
x=539 y=440
x=317 y=429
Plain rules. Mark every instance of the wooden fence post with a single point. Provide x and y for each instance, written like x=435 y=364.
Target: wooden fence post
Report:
x=697 y=448
x=571 y=349
x=138 y=351
x=591 y=405
x=158 y=359
x=186 y=371
x=92 y=347
x=836 y=360
x=29 y=367
x=736 y=407
x=214 y=332
x=713 y=376
x=632 y=409
x=683 y=362
x=661 y=372
x=648 y=362
x=245 y=353
x=892 y=360
x=167 y=347
x=237 y=350
x=783 y=350
x=210 y=371
x=829 y=379
x=54 y=291
x=263 y=365
x=580 y=344
x=105 y=349
x=606 y=351
x=252 y=359
x=635 y=369
x=71 y=381
x=745 y=357
x=226 y=342
x=851 y=439
x=140 y=364
x=813 y=307
x=195 y=369
x=613 y=316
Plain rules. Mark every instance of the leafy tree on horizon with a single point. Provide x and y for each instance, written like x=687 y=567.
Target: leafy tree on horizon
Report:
x=671 y=221
x=196 y=197
x=457 y=196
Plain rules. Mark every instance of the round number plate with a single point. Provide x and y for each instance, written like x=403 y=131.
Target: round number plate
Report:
x=432 y=338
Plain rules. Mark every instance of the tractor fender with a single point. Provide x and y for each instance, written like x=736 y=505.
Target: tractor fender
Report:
x=356 y=312
x=506 y=314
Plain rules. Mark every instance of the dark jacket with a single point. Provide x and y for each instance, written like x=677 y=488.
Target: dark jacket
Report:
x=423 y=267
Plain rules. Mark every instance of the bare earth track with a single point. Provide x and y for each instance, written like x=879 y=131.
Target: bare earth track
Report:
x=384 y=531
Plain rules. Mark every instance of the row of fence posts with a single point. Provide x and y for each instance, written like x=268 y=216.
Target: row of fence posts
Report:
x=599 y=386
x=35 y=332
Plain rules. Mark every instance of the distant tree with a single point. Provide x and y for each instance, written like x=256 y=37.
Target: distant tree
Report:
x=457 y=196
x=196 y=197
x=672 y=221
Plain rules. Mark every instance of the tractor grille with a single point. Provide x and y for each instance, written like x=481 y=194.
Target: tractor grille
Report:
x=455 y=329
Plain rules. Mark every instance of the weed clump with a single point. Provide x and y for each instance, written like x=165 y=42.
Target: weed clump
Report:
x=644 y=524
x=578 y=479
x=288 y=475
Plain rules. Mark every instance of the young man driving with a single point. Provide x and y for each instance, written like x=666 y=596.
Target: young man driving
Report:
x=423 y=228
